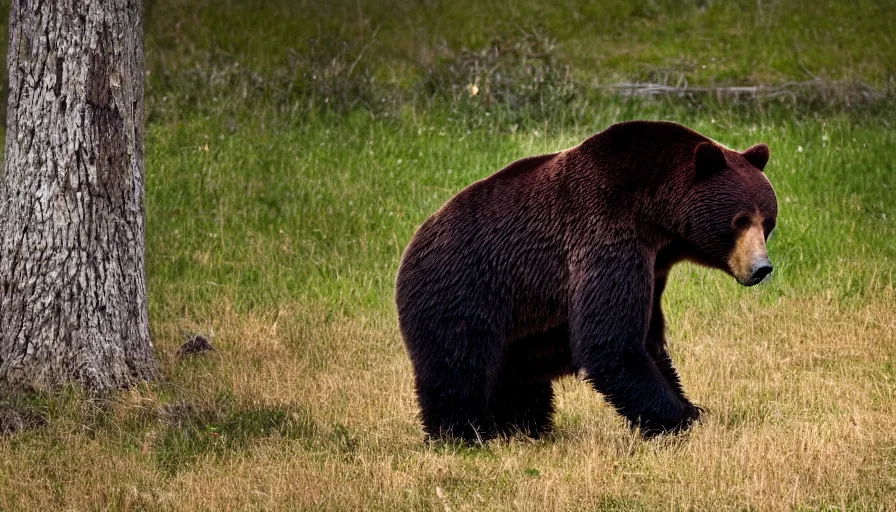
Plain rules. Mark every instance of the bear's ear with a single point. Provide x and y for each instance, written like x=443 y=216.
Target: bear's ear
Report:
x=757 y=155
x=708 y=160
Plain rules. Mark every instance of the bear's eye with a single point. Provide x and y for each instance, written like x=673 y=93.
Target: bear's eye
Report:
x=769 y=228
x=741 y=222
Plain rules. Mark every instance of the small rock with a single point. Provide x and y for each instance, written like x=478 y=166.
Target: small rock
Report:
x=10 y=422
x=197 y=344
x=14 y=419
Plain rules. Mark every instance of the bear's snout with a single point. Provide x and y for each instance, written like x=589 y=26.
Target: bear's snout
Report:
x=761 y=269
x=749 y=260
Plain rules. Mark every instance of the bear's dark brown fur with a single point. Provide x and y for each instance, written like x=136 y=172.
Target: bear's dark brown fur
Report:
x=557 y=263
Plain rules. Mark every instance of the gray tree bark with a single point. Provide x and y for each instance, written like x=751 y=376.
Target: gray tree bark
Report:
x=73 y=304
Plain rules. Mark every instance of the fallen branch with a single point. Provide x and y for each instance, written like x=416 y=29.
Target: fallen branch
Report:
x=818 y=87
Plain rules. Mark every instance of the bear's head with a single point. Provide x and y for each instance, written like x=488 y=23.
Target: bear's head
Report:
x=730 y=211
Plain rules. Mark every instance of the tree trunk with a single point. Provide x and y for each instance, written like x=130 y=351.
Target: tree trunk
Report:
x=73 y=302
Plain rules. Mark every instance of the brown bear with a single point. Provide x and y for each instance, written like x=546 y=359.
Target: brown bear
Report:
x=557 y=264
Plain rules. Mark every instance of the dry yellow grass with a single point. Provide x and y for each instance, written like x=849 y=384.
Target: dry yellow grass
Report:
x=801 y=398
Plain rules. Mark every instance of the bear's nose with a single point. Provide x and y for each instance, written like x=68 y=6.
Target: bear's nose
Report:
x=761 y=271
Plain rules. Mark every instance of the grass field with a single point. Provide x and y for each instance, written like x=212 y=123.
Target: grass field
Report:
x=293 y=148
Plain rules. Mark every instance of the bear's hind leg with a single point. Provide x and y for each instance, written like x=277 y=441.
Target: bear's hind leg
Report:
x=450 y=418
x=523 y=407
x=454 y=380
x=523 y=400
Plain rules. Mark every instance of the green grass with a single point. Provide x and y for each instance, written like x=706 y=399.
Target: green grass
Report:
x=294 y=147
x=704 y=41
x=281 y=209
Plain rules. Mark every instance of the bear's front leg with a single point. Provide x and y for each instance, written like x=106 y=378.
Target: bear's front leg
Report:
x=609 y=313
x=656 y=343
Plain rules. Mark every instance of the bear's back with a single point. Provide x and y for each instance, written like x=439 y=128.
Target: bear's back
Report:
x=510 y=236
x=473 y=241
